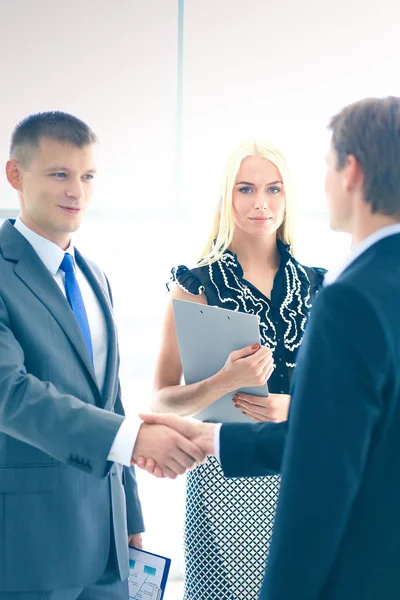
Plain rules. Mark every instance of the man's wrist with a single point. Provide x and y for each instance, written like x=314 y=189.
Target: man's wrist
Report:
x=136 y=450
x=123 y=445
x=208 y=437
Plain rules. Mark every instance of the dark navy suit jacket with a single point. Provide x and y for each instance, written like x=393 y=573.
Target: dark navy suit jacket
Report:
x=337 y=527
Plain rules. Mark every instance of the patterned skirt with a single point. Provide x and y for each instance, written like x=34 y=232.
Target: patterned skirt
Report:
x=227 y=533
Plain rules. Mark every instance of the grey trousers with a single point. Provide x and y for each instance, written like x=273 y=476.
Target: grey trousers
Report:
x=109 y=587
x=97 y=591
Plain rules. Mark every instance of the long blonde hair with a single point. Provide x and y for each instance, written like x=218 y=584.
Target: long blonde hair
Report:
x=221 y=234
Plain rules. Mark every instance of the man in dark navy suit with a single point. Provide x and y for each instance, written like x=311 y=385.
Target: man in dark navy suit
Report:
x=337 y=527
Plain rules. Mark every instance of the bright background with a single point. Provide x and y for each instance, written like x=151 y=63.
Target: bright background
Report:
x=171 y=87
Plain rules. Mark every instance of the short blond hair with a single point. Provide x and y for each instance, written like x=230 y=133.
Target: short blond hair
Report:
x=221 y=234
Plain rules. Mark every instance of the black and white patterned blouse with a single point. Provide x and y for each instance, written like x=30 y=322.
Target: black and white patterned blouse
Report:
x=282 y=318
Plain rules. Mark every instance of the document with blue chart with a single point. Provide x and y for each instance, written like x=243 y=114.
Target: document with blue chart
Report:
x=206 y=337
x=148 y=574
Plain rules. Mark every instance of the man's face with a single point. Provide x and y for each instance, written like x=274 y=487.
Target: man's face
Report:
x=55 y=189
x=338 y=197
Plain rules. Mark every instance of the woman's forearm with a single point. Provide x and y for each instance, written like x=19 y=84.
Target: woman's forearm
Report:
x=188 y=400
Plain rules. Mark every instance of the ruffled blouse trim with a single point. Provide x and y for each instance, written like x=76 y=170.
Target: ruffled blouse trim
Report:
x=225 y=277
x=236 y=294
x=186 y=280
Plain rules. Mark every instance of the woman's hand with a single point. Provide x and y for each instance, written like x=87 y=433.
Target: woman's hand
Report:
x=250 y=366
x=273 y=408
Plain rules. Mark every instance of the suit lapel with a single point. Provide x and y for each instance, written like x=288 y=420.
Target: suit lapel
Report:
x=31 y=270
x=111 y=375
x=37 y=278
x=33 y=273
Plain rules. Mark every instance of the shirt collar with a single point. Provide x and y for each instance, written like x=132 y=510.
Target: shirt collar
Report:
x=49 y=253
x=359 y=249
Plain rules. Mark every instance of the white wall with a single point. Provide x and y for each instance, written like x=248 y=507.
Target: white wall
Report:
x=252 y=69
x=112 y=64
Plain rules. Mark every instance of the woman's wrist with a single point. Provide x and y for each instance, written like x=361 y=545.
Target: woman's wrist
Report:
x=221 y=383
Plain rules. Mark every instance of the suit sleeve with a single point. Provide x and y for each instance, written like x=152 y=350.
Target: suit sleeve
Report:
x=33 y=411
x=336 y=403
x=252 y=450
x=133 y=506
x=134 y=512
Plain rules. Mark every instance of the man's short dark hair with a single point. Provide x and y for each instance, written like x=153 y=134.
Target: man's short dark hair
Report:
x=370 y=131
x=54 y=125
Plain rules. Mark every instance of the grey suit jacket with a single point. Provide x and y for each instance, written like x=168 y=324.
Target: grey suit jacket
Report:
x=62 y=503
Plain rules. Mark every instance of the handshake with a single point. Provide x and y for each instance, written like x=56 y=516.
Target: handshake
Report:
x=168 y=445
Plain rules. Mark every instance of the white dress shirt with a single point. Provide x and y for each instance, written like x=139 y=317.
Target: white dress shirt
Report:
x=52 y=255
x=329 y=278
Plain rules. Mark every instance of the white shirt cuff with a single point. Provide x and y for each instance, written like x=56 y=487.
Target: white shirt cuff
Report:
x=124 y=441
x=217 y=441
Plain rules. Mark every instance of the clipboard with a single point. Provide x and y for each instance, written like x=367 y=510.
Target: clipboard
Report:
x=206 y=336
x=148 y=575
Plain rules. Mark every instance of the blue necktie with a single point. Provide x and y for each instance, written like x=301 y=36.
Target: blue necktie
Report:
x=75 y=300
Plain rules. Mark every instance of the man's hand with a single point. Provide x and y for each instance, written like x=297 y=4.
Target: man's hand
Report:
x=135 y=541
x=274 y=408
x=170 y=449
x=201 y=434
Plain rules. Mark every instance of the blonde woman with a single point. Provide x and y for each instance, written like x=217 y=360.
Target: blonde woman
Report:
x=247 y=265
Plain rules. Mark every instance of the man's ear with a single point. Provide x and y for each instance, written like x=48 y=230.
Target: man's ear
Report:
x=14 y=174
x=353 y=173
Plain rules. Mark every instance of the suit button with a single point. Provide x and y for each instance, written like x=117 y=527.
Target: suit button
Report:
x=281 y=375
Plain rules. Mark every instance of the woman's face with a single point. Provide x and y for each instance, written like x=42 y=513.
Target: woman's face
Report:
x=258 y=197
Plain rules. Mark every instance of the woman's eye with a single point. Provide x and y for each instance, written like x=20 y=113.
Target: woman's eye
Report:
x=88 y=176
x=274 y=189
x=245 y=190
x=59 y=175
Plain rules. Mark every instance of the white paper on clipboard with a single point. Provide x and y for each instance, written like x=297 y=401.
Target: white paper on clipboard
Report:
x=148 y=574
x=206 y=337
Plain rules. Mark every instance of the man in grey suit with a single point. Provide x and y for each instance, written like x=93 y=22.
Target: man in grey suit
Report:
x=68 y=496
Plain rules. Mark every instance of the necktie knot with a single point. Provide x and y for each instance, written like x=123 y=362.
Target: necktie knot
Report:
x=67 y=264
